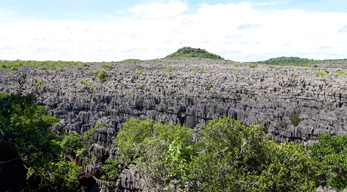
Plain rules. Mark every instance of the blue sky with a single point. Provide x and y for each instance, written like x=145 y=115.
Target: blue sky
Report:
x=111 y=30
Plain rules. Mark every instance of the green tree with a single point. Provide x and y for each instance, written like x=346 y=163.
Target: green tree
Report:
x=331 y=155
x=157 y=146
x=25 y=130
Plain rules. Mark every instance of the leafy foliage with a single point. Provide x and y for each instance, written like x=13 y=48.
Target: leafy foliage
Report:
x=229 y=156
x=25 y=126
x=151 y=142
x=101 y=75
x=194 y=52
x=331 y=155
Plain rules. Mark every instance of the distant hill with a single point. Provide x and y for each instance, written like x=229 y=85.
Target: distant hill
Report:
x=194 y=52
x=288 y=61
x=296 y=61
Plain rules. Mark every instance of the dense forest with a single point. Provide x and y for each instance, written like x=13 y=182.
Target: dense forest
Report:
x=296 y=61
x=193 y=52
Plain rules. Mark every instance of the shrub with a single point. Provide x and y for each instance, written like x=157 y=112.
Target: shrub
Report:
x=79 y=68
x=321 y=73
x=295 y=120
x=85 y=83
x=138 y=73
x=38 y=83
x=168 y=69
x=283 y=124
x=107 y=65
x=101 y=75
x=253 y=65
x=209 y=86
x=341 y=73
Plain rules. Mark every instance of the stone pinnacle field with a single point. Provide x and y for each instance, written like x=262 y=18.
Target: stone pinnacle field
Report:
x=292 y=103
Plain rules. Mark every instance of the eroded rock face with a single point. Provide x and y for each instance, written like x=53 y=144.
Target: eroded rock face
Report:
x=197 y=91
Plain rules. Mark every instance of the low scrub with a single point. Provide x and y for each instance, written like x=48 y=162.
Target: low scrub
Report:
x=101 y=75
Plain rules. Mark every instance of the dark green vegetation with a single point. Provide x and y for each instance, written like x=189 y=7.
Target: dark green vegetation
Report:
x=295 y=61
x=193 y=52
x=330 y=155
x=229 y=156
x=26 y=134
x=101 y=75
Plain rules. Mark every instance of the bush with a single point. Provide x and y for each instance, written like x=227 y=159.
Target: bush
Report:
x=168 y=69
x=295 y=120
x=253 y=65
x=38 y=83
x=321 y=73
x=330 y=153
x=107 y=65
x=101 y=75
x=85 y=83
x=209 y=86
x=341 y=73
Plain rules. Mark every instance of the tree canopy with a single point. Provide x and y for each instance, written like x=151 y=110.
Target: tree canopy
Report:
x=194 y=52
x=229 y=156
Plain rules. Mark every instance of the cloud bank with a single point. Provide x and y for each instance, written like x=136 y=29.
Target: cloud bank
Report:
x=236 y=31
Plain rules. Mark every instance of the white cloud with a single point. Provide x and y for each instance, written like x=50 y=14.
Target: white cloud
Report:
x=235 y=31
x=172 y=9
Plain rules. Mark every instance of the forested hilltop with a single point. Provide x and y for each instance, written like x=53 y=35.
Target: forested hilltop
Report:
x=194 y=52
x=172 y=124
x=299 y=61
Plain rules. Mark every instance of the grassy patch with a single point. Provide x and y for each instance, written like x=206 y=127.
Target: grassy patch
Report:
x=209 y=86
x=38 y=83
x=107 y=65
x=168 y=69
x=138 y=73
x=85 y=83
x=321 y=73
x=253 y=65
x=341 y=73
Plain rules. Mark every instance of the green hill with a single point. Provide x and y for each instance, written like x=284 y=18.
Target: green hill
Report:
x=297 y=61
x=288 y=61
x=194 y=52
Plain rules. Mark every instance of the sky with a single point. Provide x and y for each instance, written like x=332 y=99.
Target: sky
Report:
x=114 y=30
